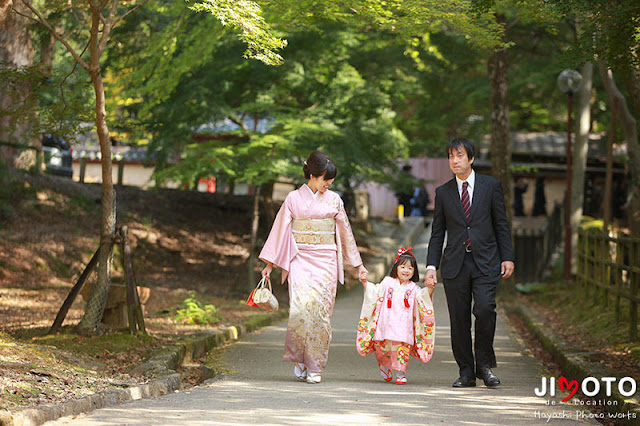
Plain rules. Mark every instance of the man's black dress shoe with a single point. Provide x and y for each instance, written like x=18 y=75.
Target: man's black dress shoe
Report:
x=464 y=382
x=490 y=380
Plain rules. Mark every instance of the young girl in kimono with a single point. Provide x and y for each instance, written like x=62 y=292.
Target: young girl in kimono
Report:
x=397 y=319
x=309 y=240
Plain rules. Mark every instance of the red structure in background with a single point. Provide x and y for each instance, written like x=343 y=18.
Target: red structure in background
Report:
x=200 y=137
x=210 y=182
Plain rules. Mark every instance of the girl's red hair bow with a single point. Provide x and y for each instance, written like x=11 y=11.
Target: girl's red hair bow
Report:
x=403 y=250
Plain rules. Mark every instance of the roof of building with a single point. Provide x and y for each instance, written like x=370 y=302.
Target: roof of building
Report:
x=551 y=145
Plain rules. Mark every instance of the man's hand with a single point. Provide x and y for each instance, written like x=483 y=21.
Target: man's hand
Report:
x=506 y=269
x=430 y=279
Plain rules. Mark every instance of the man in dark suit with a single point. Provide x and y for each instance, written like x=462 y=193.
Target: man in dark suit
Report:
x=470 y=209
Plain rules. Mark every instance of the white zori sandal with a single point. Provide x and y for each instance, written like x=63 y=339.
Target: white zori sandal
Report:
x=300 y=370
x=401 y=378
x=313 y=377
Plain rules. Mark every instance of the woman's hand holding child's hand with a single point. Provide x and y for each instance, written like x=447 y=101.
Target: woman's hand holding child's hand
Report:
x=363 y=275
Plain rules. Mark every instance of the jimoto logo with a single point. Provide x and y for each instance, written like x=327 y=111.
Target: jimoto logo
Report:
x=590 y=386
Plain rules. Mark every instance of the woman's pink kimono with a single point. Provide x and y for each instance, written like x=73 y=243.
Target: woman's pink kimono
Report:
x=313 y=266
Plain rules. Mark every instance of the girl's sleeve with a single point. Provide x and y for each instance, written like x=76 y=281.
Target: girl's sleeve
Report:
x=280 y=247
x=368 y=319
x=371 y=294
x=345 y=237
x=424 y=326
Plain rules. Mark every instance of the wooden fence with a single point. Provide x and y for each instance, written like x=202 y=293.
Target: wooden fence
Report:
x=609 y=271
x=534 y=243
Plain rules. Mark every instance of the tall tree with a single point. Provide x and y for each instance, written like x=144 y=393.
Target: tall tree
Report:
x=609 y=32
x=16 y=56
x=5 y=9
x=500 y=146
x=580 y=151
x=97 y=19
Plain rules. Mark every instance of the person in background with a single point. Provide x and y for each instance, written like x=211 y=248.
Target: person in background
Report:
x=419 y=201
x=519 y=188
x=405 y=191
x=539 y=199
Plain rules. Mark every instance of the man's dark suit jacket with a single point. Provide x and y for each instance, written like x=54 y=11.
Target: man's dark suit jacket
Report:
x=487 y=228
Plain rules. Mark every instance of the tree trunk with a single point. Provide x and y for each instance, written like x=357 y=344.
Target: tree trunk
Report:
x=254 y=238
x=609 y=176
x=5 y=10
x=500 y=141
x=17 y=50
x=47 y=46
x=633 y=147
x=580 y=157
x=98 y=296
x=267 y=200
x=630 y=128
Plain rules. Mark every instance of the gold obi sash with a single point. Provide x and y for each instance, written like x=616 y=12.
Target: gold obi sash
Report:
x=314 y=231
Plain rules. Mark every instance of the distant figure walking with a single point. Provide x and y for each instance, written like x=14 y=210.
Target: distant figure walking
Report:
x=518 y=189
x=397 y=319
x=419 y=201
x=470 y=209
x=309 y=239
x=539 y=199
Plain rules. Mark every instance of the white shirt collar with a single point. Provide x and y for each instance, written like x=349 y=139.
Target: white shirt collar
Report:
x=471 y=180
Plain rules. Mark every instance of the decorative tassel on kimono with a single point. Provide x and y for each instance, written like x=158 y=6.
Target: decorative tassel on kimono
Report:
x=389 y=297
x=406 y=298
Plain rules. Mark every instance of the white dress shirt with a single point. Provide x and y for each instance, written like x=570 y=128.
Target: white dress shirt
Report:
x=471 y=180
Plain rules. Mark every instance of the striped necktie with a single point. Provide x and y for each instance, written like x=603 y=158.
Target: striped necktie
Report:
x=466 y=206
x=466 y=203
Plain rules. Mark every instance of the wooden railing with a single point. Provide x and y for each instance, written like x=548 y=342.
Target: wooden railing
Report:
x=533 y=246
x=609 y=271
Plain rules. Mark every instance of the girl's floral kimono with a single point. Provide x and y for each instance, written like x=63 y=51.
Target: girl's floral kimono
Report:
x=396 y=321
x=309 y=239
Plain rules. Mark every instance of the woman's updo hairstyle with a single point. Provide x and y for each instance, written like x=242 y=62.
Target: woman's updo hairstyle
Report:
x=319 y=164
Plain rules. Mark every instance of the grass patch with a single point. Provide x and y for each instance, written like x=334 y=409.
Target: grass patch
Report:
x=13 y=190
x=113 y=342
x=81 y=202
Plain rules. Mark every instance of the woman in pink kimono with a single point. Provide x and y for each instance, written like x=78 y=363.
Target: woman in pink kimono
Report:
x=397 y=319
x=309 y=239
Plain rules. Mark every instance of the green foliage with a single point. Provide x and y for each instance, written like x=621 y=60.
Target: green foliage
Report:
x=246 y=16
x=405 y=18
x=56 y=115
x=194 y=312
x=310 y=102
x=524 y=168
